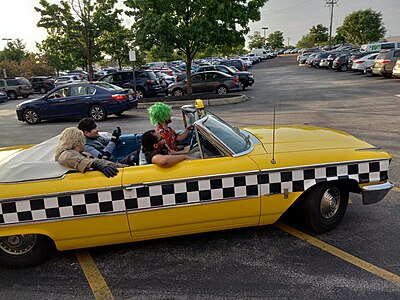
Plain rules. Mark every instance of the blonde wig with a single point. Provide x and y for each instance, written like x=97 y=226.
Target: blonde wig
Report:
x=69 y=139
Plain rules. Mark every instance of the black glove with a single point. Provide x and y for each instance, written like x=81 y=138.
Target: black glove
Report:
x=116 y=134
x=108 y=170
x=104 y=155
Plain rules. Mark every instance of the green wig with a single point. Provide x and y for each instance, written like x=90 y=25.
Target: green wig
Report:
x=159 y=112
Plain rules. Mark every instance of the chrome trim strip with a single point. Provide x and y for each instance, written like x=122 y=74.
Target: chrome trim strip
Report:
x=104 y=214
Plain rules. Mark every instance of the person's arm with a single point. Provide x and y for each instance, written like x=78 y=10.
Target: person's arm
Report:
x=185 y=150
x=183 y=135
x=166 y=161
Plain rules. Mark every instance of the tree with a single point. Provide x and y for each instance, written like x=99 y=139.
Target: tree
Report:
x=305 y=42
x=14 y=51
x=275 y=40
x=256 y=41
x=81 y=21
x=318 y=34
x=362 y=27
x=191 y=26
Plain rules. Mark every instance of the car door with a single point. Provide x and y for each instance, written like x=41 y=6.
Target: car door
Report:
x=65 y=104
x=198 y=83
x=193 y=196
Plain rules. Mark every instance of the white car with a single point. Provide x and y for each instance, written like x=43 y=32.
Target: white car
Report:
x=248 y=62
x=364 y=63
x=67 y=79
x=396 y=69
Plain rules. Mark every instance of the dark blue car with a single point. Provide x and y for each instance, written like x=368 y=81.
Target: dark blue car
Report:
x=93 y=99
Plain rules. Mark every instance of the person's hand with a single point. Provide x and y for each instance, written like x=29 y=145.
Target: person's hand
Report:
x=116 y=134
x=186 y=149
x=108 y=170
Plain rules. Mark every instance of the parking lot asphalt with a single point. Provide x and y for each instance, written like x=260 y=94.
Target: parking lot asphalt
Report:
x=251 y=263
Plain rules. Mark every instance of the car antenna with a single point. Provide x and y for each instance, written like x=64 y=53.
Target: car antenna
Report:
x=273 y=138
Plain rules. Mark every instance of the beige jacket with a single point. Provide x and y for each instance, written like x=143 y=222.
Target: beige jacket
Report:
x=81 y=161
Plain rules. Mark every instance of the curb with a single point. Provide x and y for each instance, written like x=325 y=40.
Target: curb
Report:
x=207 y=102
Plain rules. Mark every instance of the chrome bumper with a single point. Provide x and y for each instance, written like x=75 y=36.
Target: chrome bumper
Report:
x=375 y=193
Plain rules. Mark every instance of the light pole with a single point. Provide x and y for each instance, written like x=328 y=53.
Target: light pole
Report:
x=265 y=35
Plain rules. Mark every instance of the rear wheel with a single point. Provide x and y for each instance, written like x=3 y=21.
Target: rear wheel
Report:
x=24 y=250
x=31 y=116
x=343 y=68
x=12 y=95
x=97 y=112
x=325 y=206
x=222 y=90
x=242 y=86
x=43 y=90
x=139 y=94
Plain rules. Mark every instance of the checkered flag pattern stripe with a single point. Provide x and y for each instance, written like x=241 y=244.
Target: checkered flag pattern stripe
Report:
x=186 y=192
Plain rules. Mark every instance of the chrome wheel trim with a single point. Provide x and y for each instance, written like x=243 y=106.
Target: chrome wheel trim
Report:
x=31 y=116
x=241 y=86
x=178 y=93
x=43 y=90
x=139 y=94
x=97 y=113
x=221 y=90
x=18 y=244
x=330 y=203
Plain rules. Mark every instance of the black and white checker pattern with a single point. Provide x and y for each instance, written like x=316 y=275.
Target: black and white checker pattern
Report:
x=232 y=186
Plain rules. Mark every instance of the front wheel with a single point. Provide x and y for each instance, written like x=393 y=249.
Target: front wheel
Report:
x=24 y=250
x=177 y=93
x=325 y=206
x=31 y=116
x=242 y=86
x=98 y=113
x=12 y=95
x=343 y=68
x=222 y=90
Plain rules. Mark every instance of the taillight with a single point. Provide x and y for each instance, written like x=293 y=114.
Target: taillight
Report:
x=243 y=67
x=386 y=61
x=119 y=97
x=359 y=61
x=235 y=79
x=151 y=81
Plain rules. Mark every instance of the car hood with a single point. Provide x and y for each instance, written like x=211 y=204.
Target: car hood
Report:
x=30 y=101
x=305 y=138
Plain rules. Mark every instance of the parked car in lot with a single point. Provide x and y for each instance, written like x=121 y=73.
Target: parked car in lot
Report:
x=246 y=79
x=364 y=63
x=3 y=97
x=146 y=81
x=331 y=57
x=385 y=62
x=206 y=82
x=396 y=69
x=67 y=79
x=16 y=87
x=237 y=63
x=358 y=55
x=82 y=75
x=341 y=62
x=302 y=57
x=321 y=56
x=42 y=84
x=233 y=184
x=75 y=100
x=310 y=59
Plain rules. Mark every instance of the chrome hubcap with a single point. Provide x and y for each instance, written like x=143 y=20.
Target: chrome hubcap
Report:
x=31 y=116
x=221 y=91
x=18 y=244
x=330 y=203
x=97 y=113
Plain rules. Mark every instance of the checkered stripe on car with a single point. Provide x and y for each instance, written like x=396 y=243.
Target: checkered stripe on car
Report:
x=202 y=190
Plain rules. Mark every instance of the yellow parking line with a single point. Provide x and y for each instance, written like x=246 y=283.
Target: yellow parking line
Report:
x=95 y=279
x=341 y=254
x=396 y=189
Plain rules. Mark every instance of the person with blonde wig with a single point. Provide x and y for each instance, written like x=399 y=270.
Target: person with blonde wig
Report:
x=69 y=153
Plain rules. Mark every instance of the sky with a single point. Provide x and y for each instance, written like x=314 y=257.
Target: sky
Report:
x=293 y=17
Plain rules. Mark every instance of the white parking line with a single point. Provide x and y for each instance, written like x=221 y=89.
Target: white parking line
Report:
x=397 y=95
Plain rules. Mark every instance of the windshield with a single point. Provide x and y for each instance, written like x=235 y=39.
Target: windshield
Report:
x=230 y=136
x=109 y=86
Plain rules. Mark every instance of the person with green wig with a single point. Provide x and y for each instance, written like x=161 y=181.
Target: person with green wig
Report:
x=160 y=115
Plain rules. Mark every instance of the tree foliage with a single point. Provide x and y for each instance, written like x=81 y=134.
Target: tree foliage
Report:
x=362 y=26
x=82 y=22
x=191 y=26
x=256 y=41
x=305 y=42
x=275 y=40
x=14 y=51
x=318 y=34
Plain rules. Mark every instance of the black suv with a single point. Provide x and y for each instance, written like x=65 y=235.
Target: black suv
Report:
x=147 y=83
x=237 y=63
x=42 y=84
x=245 y=78
x=15 y=87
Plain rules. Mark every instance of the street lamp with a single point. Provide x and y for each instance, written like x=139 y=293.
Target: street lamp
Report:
x=265 y=34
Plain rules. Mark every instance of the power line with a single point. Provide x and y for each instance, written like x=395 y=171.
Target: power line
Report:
x=288 y=8
x=331 y=3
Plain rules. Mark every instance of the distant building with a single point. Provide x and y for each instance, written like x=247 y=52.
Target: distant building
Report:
x=393 y=38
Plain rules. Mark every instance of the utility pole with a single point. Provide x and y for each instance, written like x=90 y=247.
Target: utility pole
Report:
x=331 y=4
x=265 y=35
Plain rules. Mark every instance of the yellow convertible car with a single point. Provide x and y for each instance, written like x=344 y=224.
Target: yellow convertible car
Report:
x=245 y=177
